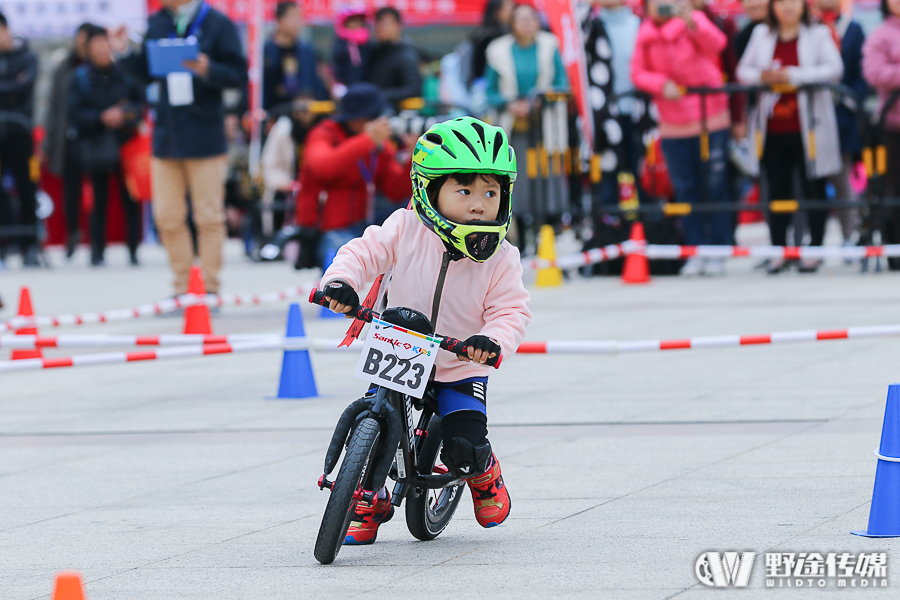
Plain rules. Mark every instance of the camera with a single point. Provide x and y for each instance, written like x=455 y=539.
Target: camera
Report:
x=667 y=10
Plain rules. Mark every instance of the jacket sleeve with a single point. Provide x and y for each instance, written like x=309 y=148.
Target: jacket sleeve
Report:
x=493 y=88
x=560 y=79
x=392 y=178
x=707 y=38
x=828 y=68
x=24 y=80
x=327 y=162
x=228 y=68
x=277 y=157
x=855 y=38
x=641 y=74
x=268 y=76
x=877 y=67
x=82 y=115
x=362 y=259
x=409 y=74
x=749 y=70
x=506 y=312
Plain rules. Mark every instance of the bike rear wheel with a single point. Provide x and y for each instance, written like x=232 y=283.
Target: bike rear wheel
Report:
x=355 y=467
x=429 y=513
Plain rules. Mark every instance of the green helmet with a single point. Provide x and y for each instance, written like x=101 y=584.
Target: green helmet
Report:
x=464 y=145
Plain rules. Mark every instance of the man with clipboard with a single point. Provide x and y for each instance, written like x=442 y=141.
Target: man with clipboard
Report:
x=190 y=55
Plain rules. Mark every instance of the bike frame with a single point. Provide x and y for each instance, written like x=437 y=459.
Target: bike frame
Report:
x=405 y=470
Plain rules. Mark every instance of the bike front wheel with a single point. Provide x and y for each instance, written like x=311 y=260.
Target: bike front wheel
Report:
x=343 y=499
x=429 y=513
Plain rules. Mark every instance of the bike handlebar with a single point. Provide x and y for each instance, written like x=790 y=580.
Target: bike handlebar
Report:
x=449 y=344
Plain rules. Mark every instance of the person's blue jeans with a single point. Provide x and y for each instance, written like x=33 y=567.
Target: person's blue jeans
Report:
x=332 y=241
x=697 y=181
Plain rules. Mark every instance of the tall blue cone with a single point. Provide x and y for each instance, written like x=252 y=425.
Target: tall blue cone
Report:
x=884 y=515
x=325 y=312
x=297 y=380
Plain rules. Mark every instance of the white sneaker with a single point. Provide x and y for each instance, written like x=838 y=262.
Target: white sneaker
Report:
x=693 y=267
x=715 y=267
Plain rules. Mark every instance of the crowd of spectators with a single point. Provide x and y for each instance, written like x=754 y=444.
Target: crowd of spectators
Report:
x=331 y=175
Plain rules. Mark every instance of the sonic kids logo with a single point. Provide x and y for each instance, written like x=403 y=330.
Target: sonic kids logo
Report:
x=405 y=345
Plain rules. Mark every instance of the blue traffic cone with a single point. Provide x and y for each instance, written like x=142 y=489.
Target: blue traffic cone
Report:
x=884 y=515
x=297 y=380
x=325 y=312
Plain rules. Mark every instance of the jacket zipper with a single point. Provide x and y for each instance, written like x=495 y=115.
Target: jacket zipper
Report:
x=439 y=289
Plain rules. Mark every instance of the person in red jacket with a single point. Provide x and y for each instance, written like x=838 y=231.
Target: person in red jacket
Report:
x=346 y=161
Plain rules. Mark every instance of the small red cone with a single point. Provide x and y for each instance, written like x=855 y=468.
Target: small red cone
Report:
x=68 y=586
x=25 y=310
x=196 y=317
x=637 y=269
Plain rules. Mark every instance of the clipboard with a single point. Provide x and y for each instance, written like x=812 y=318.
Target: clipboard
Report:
x=168 y=55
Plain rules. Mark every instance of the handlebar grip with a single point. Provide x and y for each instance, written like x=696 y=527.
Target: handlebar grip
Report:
x=358 y=312
x=459 y=348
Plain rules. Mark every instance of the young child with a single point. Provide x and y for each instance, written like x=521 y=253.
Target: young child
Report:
x=450 y=262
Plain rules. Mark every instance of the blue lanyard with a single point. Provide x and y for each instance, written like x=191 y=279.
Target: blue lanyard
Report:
x=368 y=171
x=195 y=26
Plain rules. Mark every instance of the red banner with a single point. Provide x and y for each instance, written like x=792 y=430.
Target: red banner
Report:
x=564 y=24
x=321 y=12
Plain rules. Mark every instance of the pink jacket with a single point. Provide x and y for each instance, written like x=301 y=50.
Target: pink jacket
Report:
x=690 y=59
x=487 y=298
x=881 y=65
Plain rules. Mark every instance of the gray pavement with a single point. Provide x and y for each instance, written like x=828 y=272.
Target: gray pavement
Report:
x=185 y=479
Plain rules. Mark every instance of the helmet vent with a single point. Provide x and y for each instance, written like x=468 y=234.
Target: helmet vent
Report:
x=498 y=143
x=468 y=144
x=434 y=138
x=480 y=131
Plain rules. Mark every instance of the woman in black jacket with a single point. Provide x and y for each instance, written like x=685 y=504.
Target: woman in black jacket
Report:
x=106 y=106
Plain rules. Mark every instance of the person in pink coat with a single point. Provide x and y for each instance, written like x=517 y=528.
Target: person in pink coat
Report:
x=448 y=260
x=881 y=68
x=678 y=47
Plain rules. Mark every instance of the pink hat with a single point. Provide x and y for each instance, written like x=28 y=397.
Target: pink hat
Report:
x=359 y=35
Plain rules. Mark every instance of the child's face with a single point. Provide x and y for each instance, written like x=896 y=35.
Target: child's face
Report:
x=479 y=201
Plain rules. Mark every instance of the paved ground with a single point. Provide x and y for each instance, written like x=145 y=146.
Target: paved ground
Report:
x=174 y=480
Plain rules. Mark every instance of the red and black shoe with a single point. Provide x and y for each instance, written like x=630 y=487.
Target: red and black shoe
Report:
x=366 y=518
x=489 y=494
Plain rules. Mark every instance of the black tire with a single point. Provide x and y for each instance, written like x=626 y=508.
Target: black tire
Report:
x=354 y=468
x=429 y=513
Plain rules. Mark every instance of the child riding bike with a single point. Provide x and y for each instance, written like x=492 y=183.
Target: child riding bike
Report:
x=449 y=261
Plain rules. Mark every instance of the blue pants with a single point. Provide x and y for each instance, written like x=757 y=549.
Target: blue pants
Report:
x=331 y=242
x=696 y=182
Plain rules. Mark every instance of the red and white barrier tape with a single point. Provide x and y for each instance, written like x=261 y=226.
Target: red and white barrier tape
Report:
x=261 y=343
x=714 y=341
x=785 y=252
x=31 y=342
x=659 y=251
x=157 y=308
x=583 y=259
x=549 y=347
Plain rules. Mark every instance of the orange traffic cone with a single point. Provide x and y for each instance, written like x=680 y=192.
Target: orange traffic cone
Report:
x=25 y=310
x=637 y=269
x=196 y=316
x=68 y=586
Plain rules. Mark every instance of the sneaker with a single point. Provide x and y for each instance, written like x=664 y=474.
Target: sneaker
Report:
x=31 y=257
x=809 y=265
x=366 y=518
x=489 y=495
x=693 y=267
x=715 y=267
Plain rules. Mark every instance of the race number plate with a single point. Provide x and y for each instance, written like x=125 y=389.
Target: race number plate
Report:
x=398 y=359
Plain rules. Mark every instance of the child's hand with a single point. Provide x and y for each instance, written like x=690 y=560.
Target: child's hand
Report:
x=341 y=297
x=480 y=348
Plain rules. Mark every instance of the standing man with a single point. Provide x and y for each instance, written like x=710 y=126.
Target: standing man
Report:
x=189 y=144
x=289 y=63
x=18 y=72
x=60 y=143
x=393 y=62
